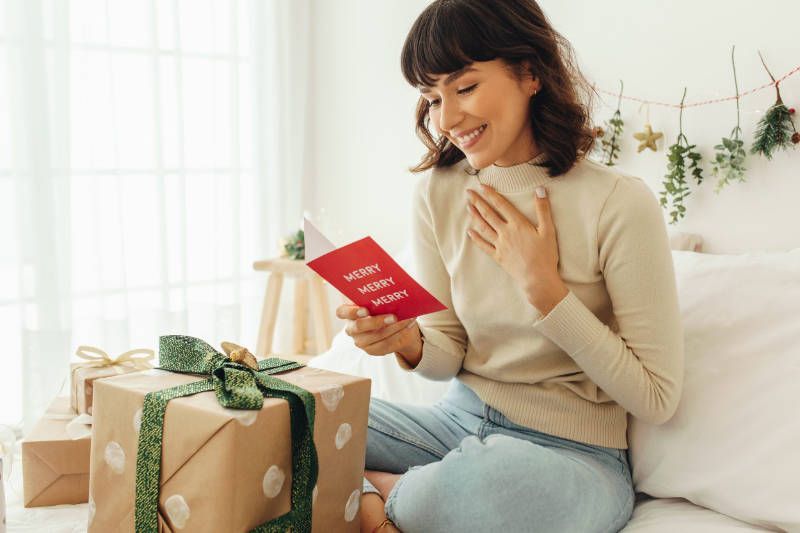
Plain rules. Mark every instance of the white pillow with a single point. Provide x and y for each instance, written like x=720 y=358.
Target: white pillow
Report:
x=389 y=381
x=733 y=445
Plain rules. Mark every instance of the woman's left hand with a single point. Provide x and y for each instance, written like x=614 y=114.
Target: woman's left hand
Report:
x=527 y=252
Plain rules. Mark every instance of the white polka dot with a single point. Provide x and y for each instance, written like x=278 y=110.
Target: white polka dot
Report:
x=137 y=420
x=343 y=435
x=177 y=510
x=314 y=495
x=92 y=510
x=331 y=396
x=273 y=481
x=351 y=508
x=115 y=457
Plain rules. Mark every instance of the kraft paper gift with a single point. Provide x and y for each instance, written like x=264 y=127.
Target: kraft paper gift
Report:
x=55 y=467
x=208 y=468
x=98 y=364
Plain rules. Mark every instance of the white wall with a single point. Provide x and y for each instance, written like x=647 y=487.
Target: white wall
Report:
x=362 y=109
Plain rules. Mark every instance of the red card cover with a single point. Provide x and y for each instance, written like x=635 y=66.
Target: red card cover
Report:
x=366 y=274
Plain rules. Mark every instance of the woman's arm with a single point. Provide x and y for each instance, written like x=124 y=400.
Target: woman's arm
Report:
x=444 y=341
x=641 y=365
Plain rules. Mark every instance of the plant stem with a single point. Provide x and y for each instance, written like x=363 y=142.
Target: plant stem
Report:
x=736 y=84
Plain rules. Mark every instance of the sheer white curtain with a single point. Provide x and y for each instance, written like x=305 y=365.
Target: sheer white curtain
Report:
x=150 y=151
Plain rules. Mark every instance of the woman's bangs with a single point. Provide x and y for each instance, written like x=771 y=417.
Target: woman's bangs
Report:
x=442 y=45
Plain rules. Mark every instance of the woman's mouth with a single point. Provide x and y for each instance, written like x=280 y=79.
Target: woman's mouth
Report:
x=471 y=138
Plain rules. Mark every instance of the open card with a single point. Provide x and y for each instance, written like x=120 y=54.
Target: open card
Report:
x=366 y=274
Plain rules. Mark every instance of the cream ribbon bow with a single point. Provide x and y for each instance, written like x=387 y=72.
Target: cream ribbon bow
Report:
x=129 y=358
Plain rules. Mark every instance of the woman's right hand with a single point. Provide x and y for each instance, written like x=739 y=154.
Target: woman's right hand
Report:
x=381 y=334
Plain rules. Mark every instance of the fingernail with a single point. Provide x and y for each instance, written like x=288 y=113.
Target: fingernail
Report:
x=541 y=192
x=389 y=320
x=411 y=324
x=362 y=312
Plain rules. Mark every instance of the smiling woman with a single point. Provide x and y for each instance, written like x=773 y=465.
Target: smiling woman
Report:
x=561 y=311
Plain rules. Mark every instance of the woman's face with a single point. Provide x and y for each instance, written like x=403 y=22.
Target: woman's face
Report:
x=484 y=111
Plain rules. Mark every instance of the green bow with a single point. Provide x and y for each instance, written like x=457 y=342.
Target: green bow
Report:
x=237 y=386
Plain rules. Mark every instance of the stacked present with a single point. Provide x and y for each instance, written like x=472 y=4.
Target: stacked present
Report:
x=55 y=455
x=97 y=364
x=222 y=442
x=55 y=467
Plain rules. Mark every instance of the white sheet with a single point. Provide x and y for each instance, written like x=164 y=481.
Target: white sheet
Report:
x=668 y=515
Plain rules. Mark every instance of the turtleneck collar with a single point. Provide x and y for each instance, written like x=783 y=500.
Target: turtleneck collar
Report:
x=522 y=177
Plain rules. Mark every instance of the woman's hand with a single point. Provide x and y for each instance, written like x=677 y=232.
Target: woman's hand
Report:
x=380 y=334
x=527 y=252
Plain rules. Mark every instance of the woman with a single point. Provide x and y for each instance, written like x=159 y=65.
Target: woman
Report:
x=562 y=314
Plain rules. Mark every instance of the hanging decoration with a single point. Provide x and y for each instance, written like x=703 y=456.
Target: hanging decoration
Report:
x=646 y=138
x=675 y=187
x=774 y=131
x=611 y=147
x=728 y=163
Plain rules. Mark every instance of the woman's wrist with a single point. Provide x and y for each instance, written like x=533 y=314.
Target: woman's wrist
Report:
x=413 y=354
x=546 y=296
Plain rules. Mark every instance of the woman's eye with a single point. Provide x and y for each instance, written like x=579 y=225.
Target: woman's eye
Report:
x=467 y=90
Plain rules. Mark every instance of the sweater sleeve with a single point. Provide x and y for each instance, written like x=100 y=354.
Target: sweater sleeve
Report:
x=444 y=338
x=641 y=366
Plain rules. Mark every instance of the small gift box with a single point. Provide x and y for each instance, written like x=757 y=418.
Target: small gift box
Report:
x=218 y=443
x=55 y=465
x=97 y=364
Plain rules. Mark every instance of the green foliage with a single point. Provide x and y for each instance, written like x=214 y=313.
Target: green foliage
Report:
x=611 y=147
x=774 y=131
x=681 y=155
x=296 y=246
x=728 y=164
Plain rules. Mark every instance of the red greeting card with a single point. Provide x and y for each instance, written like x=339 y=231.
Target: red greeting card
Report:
x=366 y=274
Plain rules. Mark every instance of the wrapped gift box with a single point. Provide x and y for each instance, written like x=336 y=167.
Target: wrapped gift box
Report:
x=55 y=467
x=99 y=365
x=227 y=469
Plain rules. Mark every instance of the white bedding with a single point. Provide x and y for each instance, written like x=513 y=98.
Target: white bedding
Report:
x=668 y=515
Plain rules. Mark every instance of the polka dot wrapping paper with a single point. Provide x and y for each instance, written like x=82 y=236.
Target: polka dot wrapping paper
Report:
x=224 y=469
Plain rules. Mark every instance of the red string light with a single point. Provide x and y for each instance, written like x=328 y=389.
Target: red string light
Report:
x=704 y=102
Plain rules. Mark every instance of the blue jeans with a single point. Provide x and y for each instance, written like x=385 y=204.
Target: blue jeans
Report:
x=466 y=467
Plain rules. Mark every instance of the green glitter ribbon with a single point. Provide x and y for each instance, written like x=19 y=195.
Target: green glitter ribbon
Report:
x=237 y=386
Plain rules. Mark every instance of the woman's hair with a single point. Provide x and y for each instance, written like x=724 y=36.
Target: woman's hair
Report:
x=451 y=34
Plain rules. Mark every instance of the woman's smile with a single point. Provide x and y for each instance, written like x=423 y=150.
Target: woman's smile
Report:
x=471 y=139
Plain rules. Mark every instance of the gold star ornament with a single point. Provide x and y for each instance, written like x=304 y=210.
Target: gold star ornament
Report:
x=647 y=139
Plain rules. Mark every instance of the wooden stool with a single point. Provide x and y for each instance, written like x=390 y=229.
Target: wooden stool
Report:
x=305 y=279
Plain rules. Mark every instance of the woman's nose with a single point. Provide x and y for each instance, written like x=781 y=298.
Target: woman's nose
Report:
x=449 y=116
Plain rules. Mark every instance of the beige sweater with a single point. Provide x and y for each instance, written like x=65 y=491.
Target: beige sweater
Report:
x=612 y=346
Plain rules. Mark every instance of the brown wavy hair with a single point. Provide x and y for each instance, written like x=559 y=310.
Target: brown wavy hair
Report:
x=450 y=34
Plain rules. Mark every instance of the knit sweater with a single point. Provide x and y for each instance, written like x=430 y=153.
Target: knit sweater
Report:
x=612 y=346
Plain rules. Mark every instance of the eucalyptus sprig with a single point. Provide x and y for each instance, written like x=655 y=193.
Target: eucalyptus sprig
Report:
x=774 y=130
x=728 y=163
x=675 y=187
x=611 y=146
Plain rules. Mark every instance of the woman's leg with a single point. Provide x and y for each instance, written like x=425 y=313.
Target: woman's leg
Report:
x=502 y=482
x=400 y=436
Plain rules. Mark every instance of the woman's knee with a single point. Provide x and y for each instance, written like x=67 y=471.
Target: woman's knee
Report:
x=393 y=443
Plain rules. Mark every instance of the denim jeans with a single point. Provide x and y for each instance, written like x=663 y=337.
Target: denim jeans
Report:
x=466 y=467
